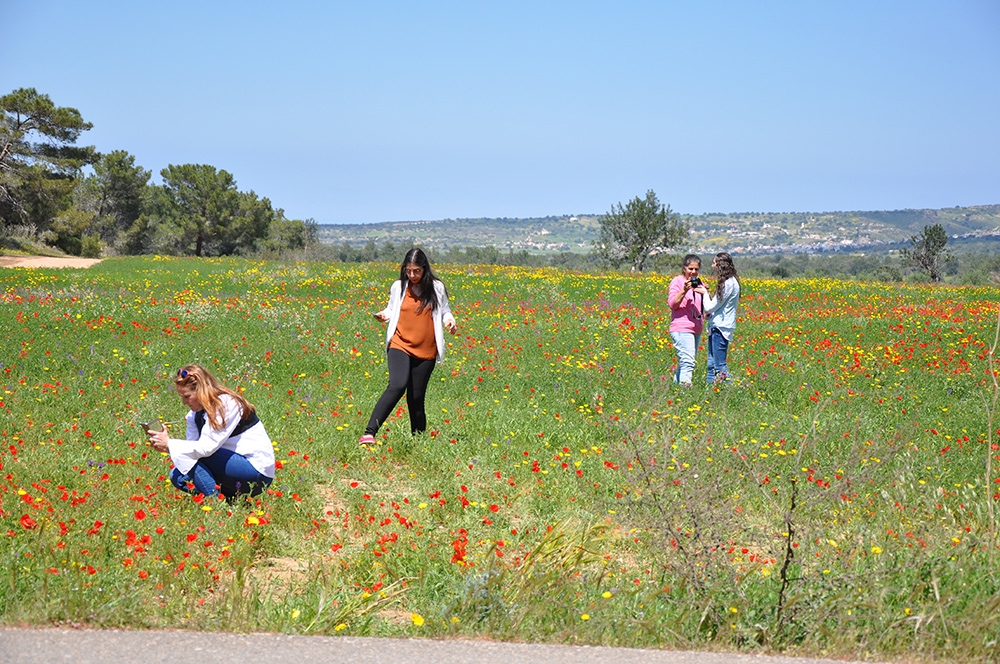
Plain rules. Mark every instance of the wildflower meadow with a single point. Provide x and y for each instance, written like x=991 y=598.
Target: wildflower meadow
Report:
x=837 y=499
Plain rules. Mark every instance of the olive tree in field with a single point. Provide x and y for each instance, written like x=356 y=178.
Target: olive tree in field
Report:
x=633 y=233
x=927 y=251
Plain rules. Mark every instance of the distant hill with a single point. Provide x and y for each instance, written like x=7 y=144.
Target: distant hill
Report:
x=740 y=232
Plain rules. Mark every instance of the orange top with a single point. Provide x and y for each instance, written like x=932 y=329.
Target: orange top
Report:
x=415 y=331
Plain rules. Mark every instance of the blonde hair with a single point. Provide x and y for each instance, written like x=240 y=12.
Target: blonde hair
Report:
x=207 y=389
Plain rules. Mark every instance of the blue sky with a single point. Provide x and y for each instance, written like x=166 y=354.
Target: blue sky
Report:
x=386 y=111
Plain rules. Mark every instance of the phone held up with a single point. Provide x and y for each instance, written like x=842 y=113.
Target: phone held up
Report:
x=151 y=427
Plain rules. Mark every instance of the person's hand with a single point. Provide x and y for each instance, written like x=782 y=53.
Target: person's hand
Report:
x=701 y=289
x=451 y=326
x=380 y=315
x=159 y=440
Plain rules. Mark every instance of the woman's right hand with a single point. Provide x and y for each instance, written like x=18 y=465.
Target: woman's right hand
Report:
x=381 y=316
x=159 y=440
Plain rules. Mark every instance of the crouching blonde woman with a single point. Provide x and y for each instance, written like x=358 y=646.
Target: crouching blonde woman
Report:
x=225 y=449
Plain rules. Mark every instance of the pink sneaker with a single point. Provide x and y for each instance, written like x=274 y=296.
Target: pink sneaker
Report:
x=367 y=440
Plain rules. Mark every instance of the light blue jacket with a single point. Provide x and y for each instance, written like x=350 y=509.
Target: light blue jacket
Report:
x=723 y=309
x=441 y=314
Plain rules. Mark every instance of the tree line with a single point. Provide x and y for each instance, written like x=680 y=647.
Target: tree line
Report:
x=84 y=202
x=645 y=229
x=646 y=235
x=970 y=268
x=54 y=191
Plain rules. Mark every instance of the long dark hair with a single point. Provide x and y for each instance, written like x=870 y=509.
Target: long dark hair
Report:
x=427 y=295
x=725 y=269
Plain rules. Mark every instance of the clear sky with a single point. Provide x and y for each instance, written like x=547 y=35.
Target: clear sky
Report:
x=388 y=111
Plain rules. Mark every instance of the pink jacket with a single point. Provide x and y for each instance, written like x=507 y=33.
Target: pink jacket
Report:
x=687 y=317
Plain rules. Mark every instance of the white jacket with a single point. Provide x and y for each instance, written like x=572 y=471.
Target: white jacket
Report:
x=254 y=443
x=723 y=310
x=441 y=314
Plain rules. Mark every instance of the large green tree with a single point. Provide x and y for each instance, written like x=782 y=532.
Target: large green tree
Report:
x=201 y=212
x=927 y=251
x=39 y=158
x=632 y=233
x=119 y=188
x=292 y=234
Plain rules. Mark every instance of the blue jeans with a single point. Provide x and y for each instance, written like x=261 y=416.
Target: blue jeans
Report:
x=232 y=473
x=718 y=348
x=686 y=345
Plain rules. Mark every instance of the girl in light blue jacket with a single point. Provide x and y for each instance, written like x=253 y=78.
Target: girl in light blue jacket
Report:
x=721 y=307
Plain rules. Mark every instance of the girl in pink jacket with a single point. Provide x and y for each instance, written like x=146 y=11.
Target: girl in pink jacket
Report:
x=686 y=323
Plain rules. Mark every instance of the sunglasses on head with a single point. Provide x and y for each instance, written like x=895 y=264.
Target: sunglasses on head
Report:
x=183 y=373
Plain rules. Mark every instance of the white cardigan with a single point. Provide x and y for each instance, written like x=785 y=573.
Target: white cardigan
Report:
x=441 y=314
x=723 y=310
x=254 y=443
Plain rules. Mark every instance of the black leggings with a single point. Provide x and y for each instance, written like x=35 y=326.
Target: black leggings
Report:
x=409 y=374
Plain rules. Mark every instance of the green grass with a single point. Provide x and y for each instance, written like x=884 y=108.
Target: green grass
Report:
x=834 y=501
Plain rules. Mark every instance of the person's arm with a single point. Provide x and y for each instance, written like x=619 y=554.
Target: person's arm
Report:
x=395 y=295
x=731 y=295
x=711 y=304
x=186 y=453
x=211 y=439
x=447 y=319
x=678 y=289
x=161 y=440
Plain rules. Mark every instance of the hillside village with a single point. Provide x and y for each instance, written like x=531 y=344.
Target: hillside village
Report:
x=746 y=233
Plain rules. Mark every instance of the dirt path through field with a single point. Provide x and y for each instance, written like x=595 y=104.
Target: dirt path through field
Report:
x=46 y=261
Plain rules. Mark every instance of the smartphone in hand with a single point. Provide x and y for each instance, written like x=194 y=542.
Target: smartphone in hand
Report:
x=151 y=427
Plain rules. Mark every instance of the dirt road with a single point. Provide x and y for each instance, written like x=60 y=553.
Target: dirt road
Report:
x=44 y=646
x=46 y=261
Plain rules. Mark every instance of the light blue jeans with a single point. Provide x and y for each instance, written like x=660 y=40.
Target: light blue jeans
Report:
x=686 y=345
x=718 y=349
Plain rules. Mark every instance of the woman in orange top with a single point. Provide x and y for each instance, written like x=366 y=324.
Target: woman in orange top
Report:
x=417 y=314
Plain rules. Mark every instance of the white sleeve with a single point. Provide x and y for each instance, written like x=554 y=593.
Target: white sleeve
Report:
x=186 y=453
x=442 y=293
x=731 y=289
x=395 y=296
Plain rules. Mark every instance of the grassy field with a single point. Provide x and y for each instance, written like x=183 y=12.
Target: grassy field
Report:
x=838 y=500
